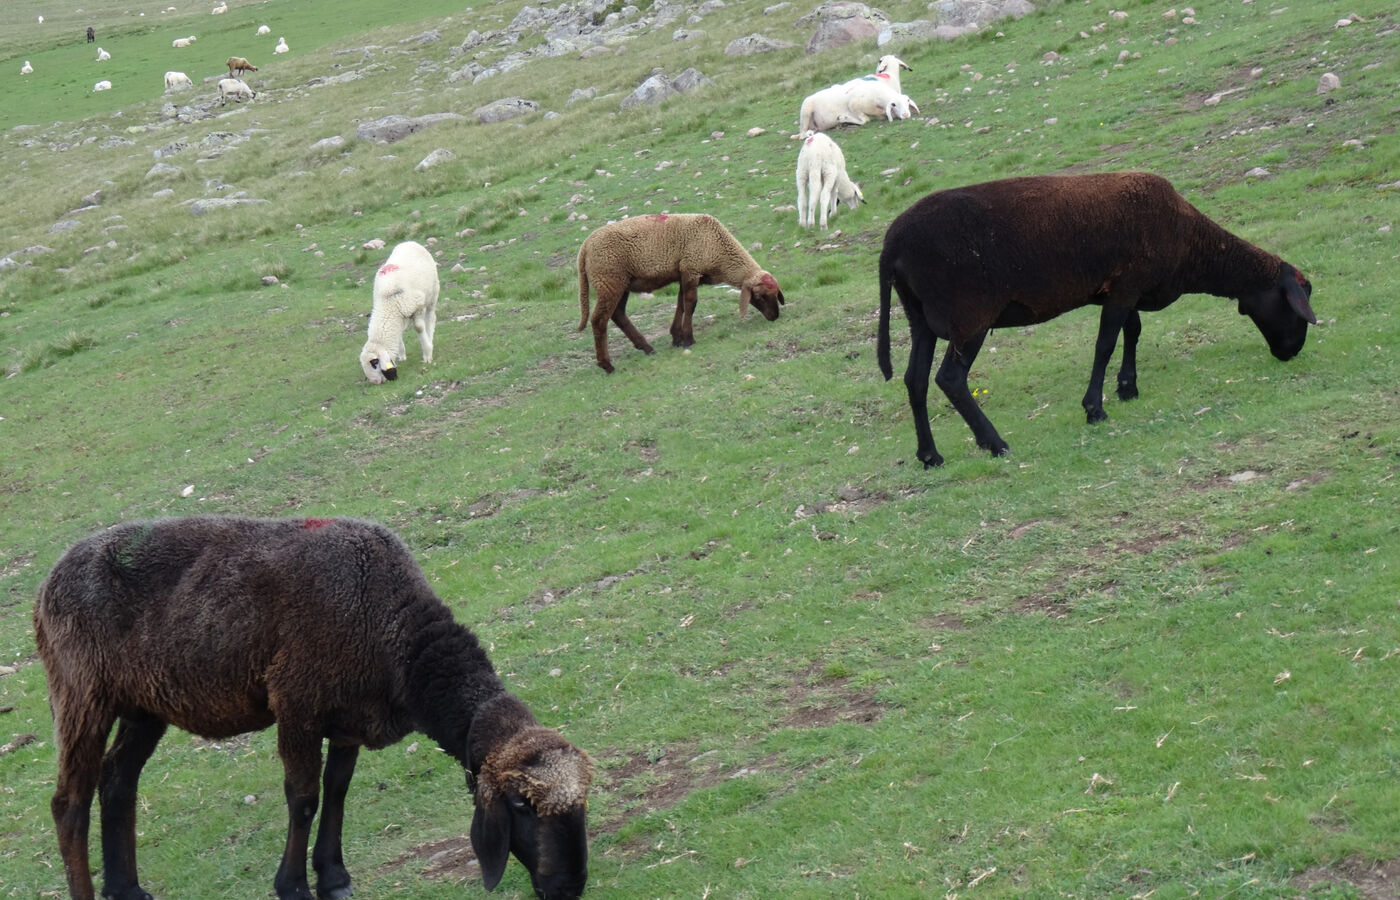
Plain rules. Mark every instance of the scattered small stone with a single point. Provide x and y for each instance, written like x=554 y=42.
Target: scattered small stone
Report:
x=1328 y=82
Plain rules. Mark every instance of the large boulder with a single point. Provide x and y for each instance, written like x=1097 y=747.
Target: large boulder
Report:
x=395 y=128
x=755 y=43
x=973 y=14
x=506 y=108
x=839 y=22
x=649 y=93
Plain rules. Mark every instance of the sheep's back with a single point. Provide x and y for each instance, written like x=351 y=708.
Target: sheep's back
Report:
x=1047 y=244
x=220 y=625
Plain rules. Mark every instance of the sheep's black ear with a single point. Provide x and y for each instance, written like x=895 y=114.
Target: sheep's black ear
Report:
x=491 y=836
x=1298 y=289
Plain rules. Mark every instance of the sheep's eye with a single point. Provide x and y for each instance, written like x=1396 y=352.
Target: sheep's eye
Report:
x=519 y=803
x=374 y=364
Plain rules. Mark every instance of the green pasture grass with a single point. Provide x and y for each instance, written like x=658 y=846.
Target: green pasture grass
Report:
x=1151 y=657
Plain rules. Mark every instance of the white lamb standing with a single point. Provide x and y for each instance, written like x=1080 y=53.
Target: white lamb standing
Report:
x=281 y=46
x=103 y=55
x=175 y=80
x=236 y=88
x=822 y=179
x=405 y=290
x=26 y=69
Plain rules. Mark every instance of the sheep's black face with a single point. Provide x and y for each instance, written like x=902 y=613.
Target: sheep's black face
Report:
x=767 y=296
x=1283 y=312
x=553 y=849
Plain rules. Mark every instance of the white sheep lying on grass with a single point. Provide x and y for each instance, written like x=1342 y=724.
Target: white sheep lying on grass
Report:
x=103 y=85
x=405 y=290
x=175 y=80
x=822 y=179
x=281 y=46
x=263 y=29
x=102 y=55
x=183 y=42
x=854 y=103
x=26 y=69
x=236 y=88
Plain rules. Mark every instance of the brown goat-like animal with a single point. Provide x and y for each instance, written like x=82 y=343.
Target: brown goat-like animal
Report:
x=326 y=627
x=649 y=252
x=1025 y=250
x=240 y=65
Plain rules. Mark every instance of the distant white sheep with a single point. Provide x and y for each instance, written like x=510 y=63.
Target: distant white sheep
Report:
x=235 y=88
x=281 y=46
x=183 y=42
x=405 y=290
x=175 y=80
x=103 y=85
x=822 y=179
x=263 y=29
x=103 y=55
x=26 y=69
x=854 y=103
x=219 y=10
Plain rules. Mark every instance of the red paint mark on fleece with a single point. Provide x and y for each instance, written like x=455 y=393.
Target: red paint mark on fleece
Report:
x=769 y=282
x=313 y=524
x=389 y=267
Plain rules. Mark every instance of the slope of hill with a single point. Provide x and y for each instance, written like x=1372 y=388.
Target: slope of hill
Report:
x=1151 y=657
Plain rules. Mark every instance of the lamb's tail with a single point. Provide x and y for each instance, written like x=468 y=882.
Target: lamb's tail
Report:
x=882 y=340
x=582 y=290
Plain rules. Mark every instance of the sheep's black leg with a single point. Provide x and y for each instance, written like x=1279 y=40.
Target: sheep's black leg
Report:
x=921 y=346
x=952 y=378
x=79 y=762
x=136 y=740
x=332 y=878
x=1111 y=322
x=1127 y=375
x=682 y=328
x=301 y=760
x=620 y=318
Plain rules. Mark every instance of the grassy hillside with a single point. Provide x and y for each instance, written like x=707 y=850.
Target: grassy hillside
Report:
x=1153 y=657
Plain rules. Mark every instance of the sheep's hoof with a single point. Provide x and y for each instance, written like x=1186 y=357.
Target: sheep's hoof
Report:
x=606 y=367
x=1127 y=392
x=339 y=893
x=1095 y=415
x=931 y=459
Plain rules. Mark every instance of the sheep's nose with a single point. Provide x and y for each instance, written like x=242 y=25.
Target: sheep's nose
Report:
x=391 y=373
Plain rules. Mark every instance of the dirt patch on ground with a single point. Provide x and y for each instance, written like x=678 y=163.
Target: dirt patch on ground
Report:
x=448 y=859
x=1371 y=880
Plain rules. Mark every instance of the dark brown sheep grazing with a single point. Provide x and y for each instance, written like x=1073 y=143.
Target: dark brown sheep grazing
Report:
x=326 y=627
x=91 y=35
x=1025 y=250
x=239 y=65
x=649 y=252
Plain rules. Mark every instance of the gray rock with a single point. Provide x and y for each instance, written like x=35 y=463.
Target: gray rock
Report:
x=578 y=94
x=755 y=43
x=163 y=170
x=423 y=39
x=839 y=22
x=507 y=108
x=65 y=225
x=974 y=14
x=171 y=148
x=651 y=92
x=690 y=80
x=440 y=155
x=395 y=128
x=200 y=207
x=330 y=143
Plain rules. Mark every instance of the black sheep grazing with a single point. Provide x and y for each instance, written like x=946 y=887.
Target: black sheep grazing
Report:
x=1024 y=250
x=328 y=628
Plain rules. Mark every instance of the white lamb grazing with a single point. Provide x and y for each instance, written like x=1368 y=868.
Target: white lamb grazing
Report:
x=822 y=179
x=103 y=55
x=235 y=88
x=405 y=290
x=281 y=46
x=263 y=29
x=175 y=80
x=26 y=69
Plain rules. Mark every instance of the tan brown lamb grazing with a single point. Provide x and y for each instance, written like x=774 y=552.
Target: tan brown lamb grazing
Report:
x=326 y=628
x=645 y=253
x=240 y=65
